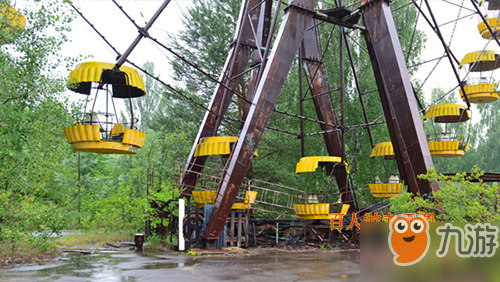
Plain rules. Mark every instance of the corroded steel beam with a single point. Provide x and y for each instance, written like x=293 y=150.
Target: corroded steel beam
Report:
x=262 y=32
x=396 y=94
x=288 y=40
x=317 y=81
x=236 y=63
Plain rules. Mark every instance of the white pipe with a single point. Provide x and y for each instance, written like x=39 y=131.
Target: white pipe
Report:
x=181 y=232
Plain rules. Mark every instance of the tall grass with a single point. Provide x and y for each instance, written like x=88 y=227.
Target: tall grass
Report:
x=96 y=238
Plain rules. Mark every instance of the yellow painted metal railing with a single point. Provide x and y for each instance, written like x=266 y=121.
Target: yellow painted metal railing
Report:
x=483 y=29
x=386 y=190
x=87 y=138
x=318 y=211
x=448 y=148
x=480 y=93
x=208 y=197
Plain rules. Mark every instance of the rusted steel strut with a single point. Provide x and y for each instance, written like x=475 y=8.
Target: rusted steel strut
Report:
x=287 y=43
x=396 y=94
x=236 y=63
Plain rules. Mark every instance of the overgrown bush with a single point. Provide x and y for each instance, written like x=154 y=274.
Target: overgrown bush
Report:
x=24 y=219
x=459 y=199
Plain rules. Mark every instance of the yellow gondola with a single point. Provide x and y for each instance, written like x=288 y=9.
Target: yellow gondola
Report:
x=486 y=60
x=482 y=89
x=101 y=135
x=10 y=20
x=126 y=84
x=216 y=145
x=385 y=190
x=314 y=210
x=383 y=149
x=447 y=113
x=493 y=22
x=208 y=197
x=446 y=143
x=319 y=211
x=219 y=145
x=310 y=164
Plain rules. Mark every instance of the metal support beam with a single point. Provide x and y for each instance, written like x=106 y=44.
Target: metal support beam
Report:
x=236 y=62
x=287 y=43
x=301 y=102
x=449 y=55
x=396 y=94
x=358 y=88
x=263 y=27
x=316 y=78
x=142 y=32
x=342 y=90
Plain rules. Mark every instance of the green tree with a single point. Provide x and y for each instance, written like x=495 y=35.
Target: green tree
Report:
x=33 y=113
x=205 y=41
x=486 y=139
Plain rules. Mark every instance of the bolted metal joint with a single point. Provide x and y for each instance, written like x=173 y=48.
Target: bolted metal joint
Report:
x=143 y=32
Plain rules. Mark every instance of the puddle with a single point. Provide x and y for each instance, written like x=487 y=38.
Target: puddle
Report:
x=129 y=266
x=101 y=265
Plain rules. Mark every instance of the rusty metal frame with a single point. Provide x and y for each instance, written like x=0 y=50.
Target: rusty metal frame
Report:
x=448 y=53
x=236 y=63
x=287 y=43
x=358 y=88
x=396 y=93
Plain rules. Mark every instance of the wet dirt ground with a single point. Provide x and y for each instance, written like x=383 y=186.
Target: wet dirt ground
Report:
x=129 y=266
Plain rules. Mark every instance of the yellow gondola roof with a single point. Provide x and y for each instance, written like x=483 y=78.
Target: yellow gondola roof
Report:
x=488 y=61
x=217 y=145
x=310 y=164
x=215 y=139
x=11 y=20
x=81 y=78
x=383 y=149
x=448 y=113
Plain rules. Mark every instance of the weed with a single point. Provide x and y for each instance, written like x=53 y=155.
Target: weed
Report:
x=94 y=238
x=154 y=240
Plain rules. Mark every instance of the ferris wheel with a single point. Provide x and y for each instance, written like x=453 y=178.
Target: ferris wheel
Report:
x=271 y=35
x=301 y=33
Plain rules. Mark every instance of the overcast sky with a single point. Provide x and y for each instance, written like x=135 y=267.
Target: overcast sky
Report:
x=120 y=32
x=110 y=21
